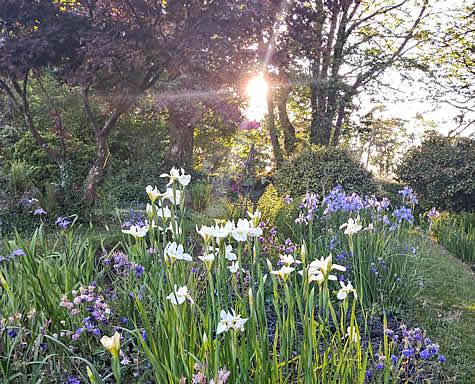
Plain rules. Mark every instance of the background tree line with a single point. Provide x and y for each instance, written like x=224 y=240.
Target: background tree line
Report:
x=117 y=88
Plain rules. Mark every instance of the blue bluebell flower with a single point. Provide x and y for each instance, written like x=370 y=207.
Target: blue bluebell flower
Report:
x=12 y=332
x=72 y=380
x=425 y=354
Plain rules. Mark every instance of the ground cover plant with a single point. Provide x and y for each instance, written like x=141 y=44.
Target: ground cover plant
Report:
x=232 y=302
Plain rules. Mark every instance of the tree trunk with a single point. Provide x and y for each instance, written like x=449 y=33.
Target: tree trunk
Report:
x=272 y=130
x=320 y=128
x=341 y=115
x=97 y=169
x=287 y=127
x=181 y=131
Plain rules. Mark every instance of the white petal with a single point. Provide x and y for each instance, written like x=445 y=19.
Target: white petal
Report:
x=221 y=328
x=339 y=267
x=341 y=295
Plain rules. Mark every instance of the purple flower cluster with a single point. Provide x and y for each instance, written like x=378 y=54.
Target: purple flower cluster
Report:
x=353 y=203
x=287 y=248
x=379 y=205
x=39 y=212
x=334 y=200
x=413 y=354
x=408 y=195
x=28 y=201
x=433 y=213
x=288 y=200
x=403 y=214
x=62 y=222
x=16 y=253
x=269 y=241
x=392 y=226
x=72 y=380
x=135 y=218
x=338 y=200
x=308 y=207
x=87 y=300
x=121 y=266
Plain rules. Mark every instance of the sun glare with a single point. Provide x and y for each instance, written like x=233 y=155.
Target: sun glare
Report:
x=256 y=91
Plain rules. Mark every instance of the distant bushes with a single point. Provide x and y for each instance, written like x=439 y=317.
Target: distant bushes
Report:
x=442 y=172
x=319 y=169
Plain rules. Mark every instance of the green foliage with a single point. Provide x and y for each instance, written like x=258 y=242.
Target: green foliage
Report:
x=390 y=189
x=442 y=172
x=212 y=143
x=276 y=212
x=200 y=194
x=270 y=204
x=456 y=232
x=19 y=176
x=318 y=169
x=137 y=149
x=79 y=154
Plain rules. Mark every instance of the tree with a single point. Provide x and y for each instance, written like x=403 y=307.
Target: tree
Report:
x=449 y=63
x=115 y=51
x=38 y=38
x=346 y=45
x=380 y=140
x=213 y=84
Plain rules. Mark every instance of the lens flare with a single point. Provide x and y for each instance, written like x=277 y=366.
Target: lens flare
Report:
x=257 y=90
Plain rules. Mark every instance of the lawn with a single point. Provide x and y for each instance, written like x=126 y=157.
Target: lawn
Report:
x=446 y=309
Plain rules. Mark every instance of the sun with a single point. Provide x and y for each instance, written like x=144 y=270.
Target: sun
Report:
x=256 y=91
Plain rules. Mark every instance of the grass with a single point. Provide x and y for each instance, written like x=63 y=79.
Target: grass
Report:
x=446 y=309
x=456 y=232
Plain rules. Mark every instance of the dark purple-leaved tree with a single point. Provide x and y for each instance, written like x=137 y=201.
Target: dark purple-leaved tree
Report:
x=34 y=37
x=116 y=51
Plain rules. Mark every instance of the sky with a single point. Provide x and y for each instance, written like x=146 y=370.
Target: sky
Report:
x=415 y=100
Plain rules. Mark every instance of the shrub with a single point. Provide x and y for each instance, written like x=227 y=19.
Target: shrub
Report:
x=270 y=203
x=78 y=157
x=442 y=172
x=318 y=169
